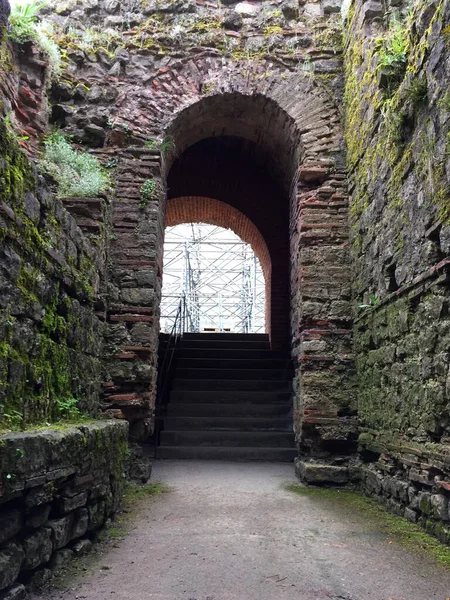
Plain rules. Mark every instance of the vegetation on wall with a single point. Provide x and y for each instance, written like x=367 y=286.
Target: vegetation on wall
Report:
x=386 y=113
x=27 y=27
x=46 y=335
x=150 y=190
x=76 y=173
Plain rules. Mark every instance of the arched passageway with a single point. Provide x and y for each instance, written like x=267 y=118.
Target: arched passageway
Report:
x=195 y=209
x=271 y=150
x=243 y=151
x=218 y=278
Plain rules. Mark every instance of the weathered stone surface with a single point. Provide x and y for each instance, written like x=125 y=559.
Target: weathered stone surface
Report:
x=80 y=523
x=331 y=6
x=63 y=470
x=318 y=474
x=38 y=579
x=70 y=504
x=4 y=12
x=11 y=557
x=97 y=515
x=38 y=548
x=10 y=524
x=61 y=530
x=38 y=516
x=82 y=547
x=15 y=592
x=60 y=559
x=233 y=21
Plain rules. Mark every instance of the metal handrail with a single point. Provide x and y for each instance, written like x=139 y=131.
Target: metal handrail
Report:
x=164 y=368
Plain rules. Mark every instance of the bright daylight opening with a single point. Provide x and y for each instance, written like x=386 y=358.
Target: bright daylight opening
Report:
x=212 y=280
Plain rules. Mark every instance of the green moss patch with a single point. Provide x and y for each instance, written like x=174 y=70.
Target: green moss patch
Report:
x=376 y=517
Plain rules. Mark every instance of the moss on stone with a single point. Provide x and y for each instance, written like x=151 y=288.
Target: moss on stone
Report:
x=374 y=516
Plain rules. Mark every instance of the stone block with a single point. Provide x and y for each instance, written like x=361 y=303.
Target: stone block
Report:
x=32 y=208
x=410 y=515
x=439 y=507
x=15 y=592
x=11 y=557
x=97 y=514
x=318 y=474
x=82 y=547
x=38 y=548
x=39 y=495
x=371 y=10
x=331 y=6
x=80 y=523
x=10 y=524
x=61 y=530
x=232 y=22
x=247 y=10
x=312 y=10
x=38 y=516
x=61 y=558
x=424 y=502
x=38 y=579
x=69 y=504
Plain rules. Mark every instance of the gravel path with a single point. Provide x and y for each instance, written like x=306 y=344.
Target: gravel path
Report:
x=230 y=531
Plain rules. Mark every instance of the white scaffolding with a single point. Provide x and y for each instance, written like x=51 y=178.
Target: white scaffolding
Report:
x=217 y=275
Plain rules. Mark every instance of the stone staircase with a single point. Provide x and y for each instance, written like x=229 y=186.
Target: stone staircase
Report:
x=230 y=399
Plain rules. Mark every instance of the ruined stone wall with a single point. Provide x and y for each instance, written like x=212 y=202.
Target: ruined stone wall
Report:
x=164 y=75
x=52 y=264
x=397 y=131
x=50 y=276
x=58 y=488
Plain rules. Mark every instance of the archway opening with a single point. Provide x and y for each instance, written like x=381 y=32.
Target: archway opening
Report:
x=239 y=173
x=218 y=278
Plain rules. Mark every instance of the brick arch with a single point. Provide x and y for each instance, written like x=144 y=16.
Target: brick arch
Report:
x=308 y=114
x=196 y=209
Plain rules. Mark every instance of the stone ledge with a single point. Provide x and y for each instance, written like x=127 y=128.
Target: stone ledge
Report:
x=322 y=474
x=58 y=487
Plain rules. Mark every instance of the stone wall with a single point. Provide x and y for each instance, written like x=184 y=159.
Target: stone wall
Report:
x=131 y=335
x=397 y=130
x=164 y=76
x=51 y=278
x=57 y=489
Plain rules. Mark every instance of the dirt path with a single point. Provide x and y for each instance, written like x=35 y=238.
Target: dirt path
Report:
x=232 y=532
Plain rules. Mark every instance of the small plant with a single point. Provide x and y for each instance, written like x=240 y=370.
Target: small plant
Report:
x=167 y=145
x=23 y=19
x=417 y=92
x=373 y=301
x=76 y=173
x=68 y=409
x=12 y=419
x=25 y=27
x=151 y=144
x=393 y=55
x=149 y=191
x=394 y=50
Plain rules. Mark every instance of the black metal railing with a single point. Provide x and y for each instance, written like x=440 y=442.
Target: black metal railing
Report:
x=166 y=362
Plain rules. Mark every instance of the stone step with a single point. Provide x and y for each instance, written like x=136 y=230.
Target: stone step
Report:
x=227 y=453
x=233 y=374
x=207 y=362
x=235 y=337
x=231 y=423
x=230 y=397
x=272 y=439
x=229 y=344
x=237 y=410
x=232 y=384
x=230 y=353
